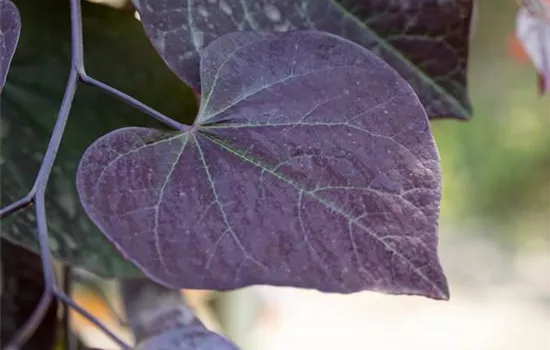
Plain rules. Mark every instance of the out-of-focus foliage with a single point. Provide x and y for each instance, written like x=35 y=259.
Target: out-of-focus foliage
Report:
x=496 y=167
x=408 y=35
x=117 y=52
x=22 y=286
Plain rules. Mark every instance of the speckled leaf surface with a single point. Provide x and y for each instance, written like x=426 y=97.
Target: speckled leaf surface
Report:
x=10 y=28
x=311 y=164
x=118 y=52
x=426 y=41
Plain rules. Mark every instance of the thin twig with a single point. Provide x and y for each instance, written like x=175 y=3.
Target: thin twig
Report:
x=43 y=174
x=69 y=338
x=135 y=103
x=86 y=79
x=101 y=294
x=36 y=194
x=17 y=205
x=69 y=302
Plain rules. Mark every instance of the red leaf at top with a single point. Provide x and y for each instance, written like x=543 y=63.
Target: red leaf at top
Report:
x=533 y=31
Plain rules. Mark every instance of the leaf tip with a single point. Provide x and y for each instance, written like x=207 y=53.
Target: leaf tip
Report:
x=442 y=293
x=440 y=290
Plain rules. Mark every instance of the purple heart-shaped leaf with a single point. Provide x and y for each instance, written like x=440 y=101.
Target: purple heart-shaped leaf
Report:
x=311 y=164
x=10 y=27
x=426 y=41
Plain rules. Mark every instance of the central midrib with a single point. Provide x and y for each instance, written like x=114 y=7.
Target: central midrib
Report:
x=323 y=201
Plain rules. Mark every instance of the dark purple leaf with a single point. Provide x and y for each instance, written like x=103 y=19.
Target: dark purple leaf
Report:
x=29 y=105
x=426 y=41
x=10 y=27
x=311 y=164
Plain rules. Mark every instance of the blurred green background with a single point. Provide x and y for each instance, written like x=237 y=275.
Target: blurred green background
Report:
x=496 y=167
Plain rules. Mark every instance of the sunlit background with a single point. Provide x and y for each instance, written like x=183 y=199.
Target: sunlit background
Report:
x=494 y=235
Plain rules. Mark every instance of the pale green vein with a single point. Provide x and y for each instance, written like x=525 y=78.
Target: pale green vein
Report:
x=184 y=141
x=386 y=45
x=341 y=124
x=191 y=22
x=307 y=240
x=202 y=117
x=134 y=150
x=220 y=205
x=206 y=101
x=331 y=206
x=247 y=15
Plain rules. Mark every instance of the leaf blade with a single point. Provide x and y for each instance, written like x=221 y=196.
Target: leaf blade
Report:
x=10 y=27
x=407 y=34
x=280 y=183
x=30 y=101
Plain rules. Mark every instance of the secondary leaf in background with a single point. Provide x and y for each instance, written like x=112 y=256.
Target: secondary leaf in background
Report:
x=426 y=41
x=161 y=319
x=117 y=52
x=311 y=164
x=194 y=336
x=533 y=31
x=22 y=288
x=10 y=27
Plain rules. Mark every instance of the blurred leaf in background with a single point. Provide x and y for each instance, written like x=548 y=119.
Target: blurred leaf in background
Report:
x=497 y=166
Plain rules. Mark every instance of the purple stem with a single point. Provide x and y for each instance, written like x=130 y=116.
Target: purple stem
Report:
x=37 y=192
